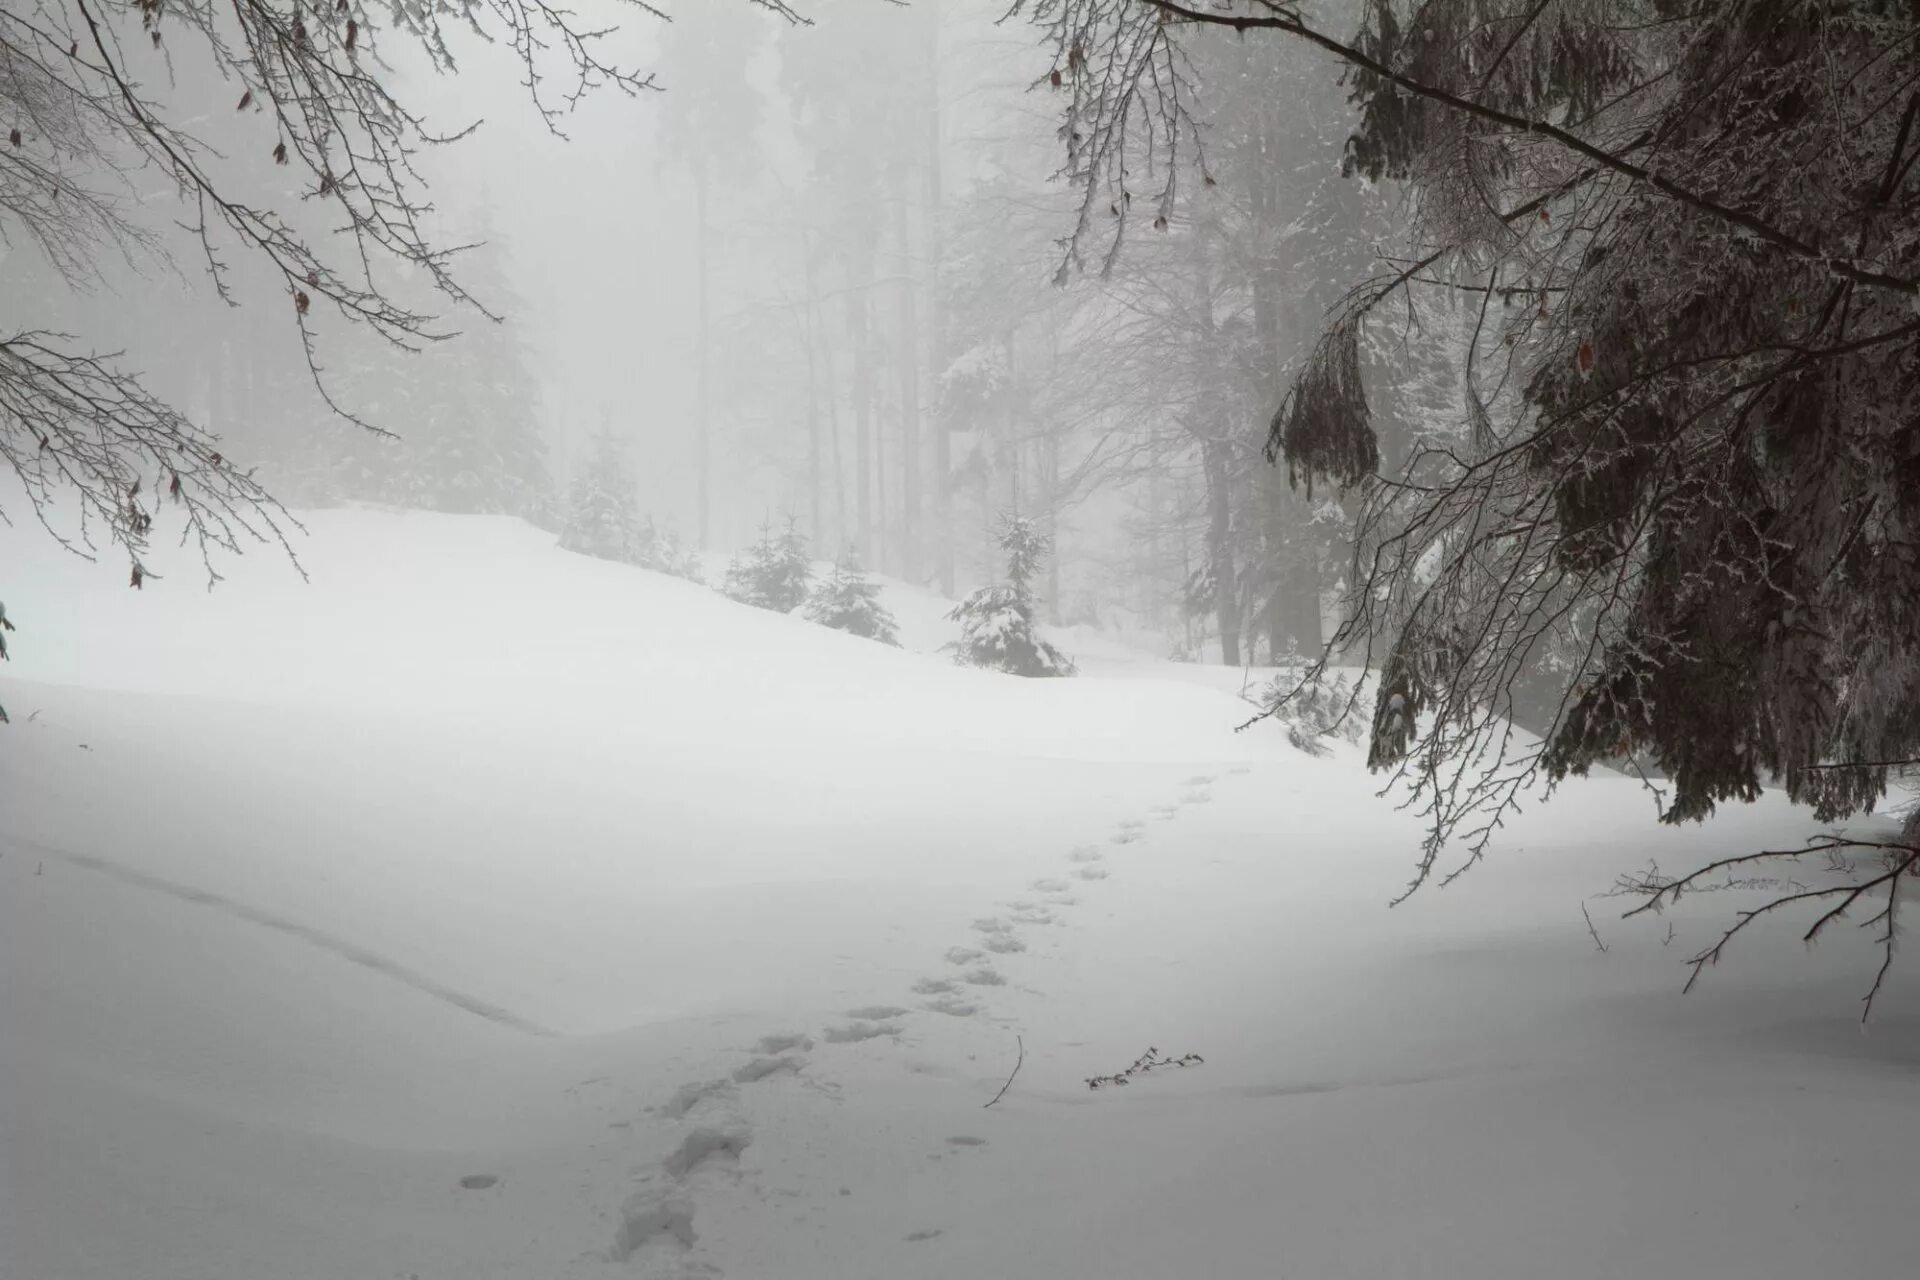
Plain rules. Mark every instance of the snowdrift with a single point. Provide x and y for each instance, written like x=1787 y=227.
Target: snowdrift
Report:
x=482 y=910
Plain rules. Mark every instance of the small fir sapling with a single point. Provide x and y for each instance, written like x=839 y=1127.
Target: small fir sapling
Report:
x=997 y=628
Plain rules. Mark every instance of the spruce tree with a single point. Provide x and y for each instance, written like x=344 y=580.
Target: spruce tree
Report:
x=600 y=511
x=997 y=628
x=847 y=600
x=662 y=551
x=774 y=573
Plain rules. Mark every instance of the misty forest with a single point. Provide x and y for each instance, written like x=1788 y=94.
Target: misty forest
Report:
x=811 y=639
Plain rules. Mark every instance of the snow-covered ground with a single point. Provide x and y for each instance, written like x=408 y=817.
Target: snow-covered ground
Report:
x=480 y=910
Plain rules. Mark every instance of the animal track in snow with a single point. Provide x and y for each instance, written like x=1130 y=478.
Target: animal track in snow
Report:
x=649 y=1220
x=855 y=1032
x=953 y=1006
x=875 y=1012
x=703 y=1146
x=1130 y=824
x=992 y=925
x=1165 y=811
x=1085 y=853
x=692 y=1094
x=1196 y=797
x=1200 y=780
x=1126 y=835
x=761 y=1068
x=927 y=1234
x=1049 y=885
x=1031 y=914
x=1005 y=944
x=781 y=1044
x=1241 y=768
x=965 y=1141
x=479 y=1181
x=966 y=955
x=984 y=977
x=1092 y=873
x=938 y=986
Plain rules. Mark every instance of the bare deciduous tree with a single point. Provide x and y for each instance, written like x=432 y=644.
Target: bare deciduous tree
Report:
x=108 y=120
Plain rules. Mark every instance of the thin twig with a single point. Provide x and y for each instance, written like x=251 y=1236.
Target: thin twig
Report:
x=1010 y=1075
x=1591 y=931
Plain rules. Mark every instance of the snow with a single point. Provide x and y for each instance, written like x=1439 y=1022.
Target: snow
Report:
x=483 y=910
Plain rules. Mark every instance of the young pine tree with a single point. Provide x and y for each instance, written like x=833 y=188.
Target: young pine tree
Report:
x=847 y=600
x=774 y=573
x=660 y=550
x=996 y=623
x=600 y=511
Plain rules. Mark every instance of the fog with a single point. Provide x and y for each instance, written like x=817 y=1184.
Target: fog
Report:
x=706 y=639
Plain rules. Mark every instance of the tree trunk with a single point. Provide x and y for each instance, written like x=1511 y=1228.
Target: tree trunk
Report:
x=942 y=445
x=814 y=528
x=1216 y=460
x=857 y=330
x=908 y=347
x=703 y=442
x=1226 y=591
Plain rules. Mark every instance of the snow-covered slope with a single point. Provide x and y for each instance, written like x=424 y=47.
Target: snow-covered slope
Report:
x=481 y=910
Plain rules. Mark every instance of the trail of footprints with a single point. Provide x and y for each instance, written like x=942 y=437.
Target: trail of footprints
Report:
x=656 y=1224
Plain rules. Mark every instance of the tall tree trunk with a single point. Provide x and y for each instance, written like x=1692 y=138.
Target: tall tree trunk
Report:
x=942 y=445
x=1216 y=457
x=857 y=331
x=842 y=526
x=908 y=358
x=814 y=528
x=703 y=409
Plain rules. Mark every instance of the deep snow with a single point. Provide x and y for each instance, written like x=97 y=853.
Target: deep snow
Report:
x=696 y=938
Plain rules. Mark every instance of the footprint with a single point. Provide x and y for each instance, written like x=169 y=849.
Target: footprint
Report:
x=1064 y=900
x=1005 y=945
x=940 y=986
x=984 y=977
x=647 y=1220
x=1241 y=768
x=692 y=1094
x=1165 y=811
x=761 y=1068
x=927 y=1234
x=967 y=955
x=1127 y=836
x=964 y=1141
x=704 y=1146
x=1050 y=886
x=1196 y=797
x=1130 y=824
x=855 y=1032
x=479 y=1181
x=1200 y=780
x=1033 y=915
x=1092 y=873
x=953 y=1006
x=875 y=1012
x=992 y=925
x=1086 y=853
x=781 y=1044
